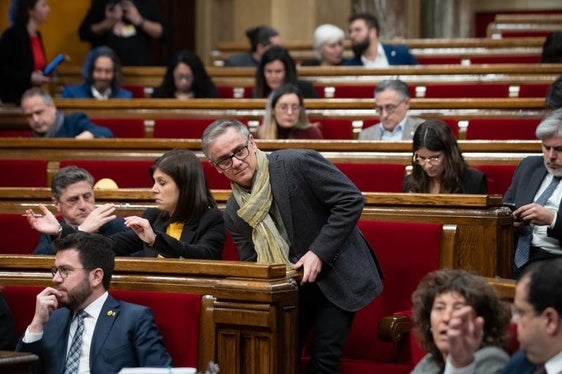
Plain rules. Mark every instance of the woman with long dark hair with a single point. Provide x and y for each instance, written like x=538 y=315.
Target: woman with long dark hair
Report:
x=438 y=165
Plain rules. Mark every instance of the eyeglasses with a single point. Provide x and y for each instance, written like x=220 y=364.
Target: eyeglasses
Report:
x=388 y=108
x=187 y=77
x=434 y=160
x=295 y=108
x=64 y=270
x=225 y=162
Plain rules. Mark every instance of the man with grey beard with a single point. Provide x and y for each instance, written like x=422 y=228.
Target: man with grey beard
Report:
x=536 y=194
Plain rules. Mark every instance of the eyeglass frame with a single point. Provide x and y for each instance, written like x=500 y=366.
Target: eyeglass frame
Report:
x=285 y=108
x=389 y=108
x=64 y=271
x=434 y=160
x=233 y=155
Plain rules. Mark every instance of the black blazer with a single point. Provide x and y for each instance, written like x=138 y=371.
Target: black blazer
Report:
x=16 y=63
x=473 y=182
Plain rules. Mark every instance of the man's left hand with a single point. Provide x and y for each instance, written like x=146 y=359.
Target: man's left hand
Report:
x=311 y=265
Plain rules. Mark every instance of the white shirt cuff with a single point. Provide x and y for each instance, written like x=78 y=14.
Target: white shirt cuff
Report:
x=32 y=337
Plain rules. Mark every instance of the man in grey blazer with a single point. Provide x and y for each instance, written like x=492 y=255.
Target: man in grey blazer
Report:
x=295 y=207
x=392 y=100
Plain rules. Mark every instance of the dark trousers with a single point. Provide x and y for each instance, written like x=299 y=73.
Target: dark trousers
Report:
x=329 y=325
x=535 y=254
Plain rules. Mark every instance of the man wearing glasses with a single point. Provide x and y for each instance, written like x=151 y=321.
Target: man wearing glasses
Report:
x=392 y=100
x=296 y=208
x=79 y=327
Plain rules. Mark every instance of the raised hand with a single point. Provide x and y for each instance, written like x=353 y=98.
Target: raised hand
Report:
x=98 y=217
x=465 y=333
x=46 y=302
x=142 y=228
x=46 y=223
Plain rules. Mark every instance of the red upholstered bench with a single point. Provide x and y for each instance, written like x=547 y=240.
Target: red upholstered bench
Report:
x=138 y=91
x=17 y=236
x=123 y=127
x=335 y=128
x=371 y=177
x=126 y=173
x=502 y=129
x=498 y=177
x=23 y=173
x=176 y=128
x=215 y=180
x=176 y=314
x=465 y=90
x=406 y=251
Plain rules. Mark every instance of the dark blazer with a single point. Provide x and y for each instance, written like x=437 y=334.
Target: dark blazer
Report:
x=519 y=364
x=527 y=180
x=128 y=337
x=45 y=245
x=474 y=182
x=396 y=55
x=75 y=124
x=7 y=327
x=320 y=208
x=16 y=63
x=84 y=91
x=202 y=240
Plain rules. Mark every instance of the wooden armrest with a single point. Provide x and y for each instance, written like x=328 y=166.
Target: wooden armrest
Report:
x=393 y=328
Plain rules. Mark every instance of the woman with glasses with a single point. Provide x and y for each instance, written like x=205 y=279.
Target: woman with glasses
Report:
x=285 y=116
x=438 y=165
x=185 y=223
x=186 y=78
x=276 y=68
x=449 y=298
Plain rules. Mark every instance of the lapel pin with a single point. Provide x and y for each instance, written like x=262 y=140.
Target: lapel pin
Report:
x=110 y=313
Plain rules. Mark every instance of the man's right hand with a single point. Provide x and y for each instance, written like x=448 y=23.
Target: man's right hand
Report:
x=46 y=302
x=98 y=217
x=46 y=224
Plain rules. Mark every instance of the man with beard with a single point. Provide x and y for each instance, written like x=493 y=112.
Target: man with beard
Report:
x=369 y=52
x=536 y=193
x=79 y=327
x=102 y=73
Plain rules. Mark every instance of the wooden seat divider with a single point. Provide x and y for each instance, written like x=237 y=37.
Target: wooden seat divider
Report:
x=248 y=312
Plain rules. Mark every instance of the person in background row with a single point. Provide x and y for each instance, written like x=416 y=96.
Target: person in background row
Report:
x=368 y=50
x=8 y=337
x=276 y=68
x=328 y=46
x=554 y=95
x=126 y=26
x=449 y=297
x=294 y=207
x=78 y=327
x=552 y=48
x=73 y=198
x=537 y=195
x=438 y=164
x=22 y=55
x=186 y=78
x=46 y=122
x=285 y=116
x=102 y=74
x=392 y=101
x=185 y=224
x=261 y=38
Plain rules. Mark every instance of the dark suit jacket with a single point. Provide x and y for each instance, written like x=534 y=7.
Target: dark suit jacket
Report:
x=202 y=240
x=396 y=55
x=7 y=327
x=76 y=123
x=16 y=63
x=45 y=246
x=526 y=182
x=84 y=91
x=319 y=207
x=128 y=337
x=519 y=364
x=473 y=182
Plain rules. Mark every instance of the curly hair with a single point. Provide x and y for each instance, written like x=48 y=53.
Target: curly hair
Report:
x=436 y=136
x=476 y=292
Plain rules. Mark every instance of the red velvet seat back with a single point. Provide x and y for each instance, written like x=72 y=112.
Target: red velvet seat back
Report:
x=438 y=60
x=452 y=123
x=229 y=252
x=23 y=173
x=136 y=90
x=506 y=59
x=16 y=133
x=123 y=127
x=502 y=129
x=498 y=177
x=126 y=173
x=335 y=128
x=21 y=301
x=178 y=128
x=533 y=89
x=371 y=177
x=467 y=90
x=215 y=180
x=18 y=237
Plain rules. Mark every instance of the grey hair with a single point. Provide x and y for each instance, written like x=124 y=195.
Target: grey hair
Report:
x=550 y=125
x=326 y=33
x=67 y=176
x=219 y=127
x=37 y=91
x=393 y=84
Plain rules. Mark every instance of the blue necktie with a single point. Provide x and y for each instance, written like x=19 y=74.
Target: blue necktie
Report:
x=73 y=357
x=526 y=235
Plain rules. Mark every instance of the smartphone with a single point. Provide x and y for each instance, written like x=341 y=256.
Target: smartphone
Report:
x=511 y=206
x=53 y=64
